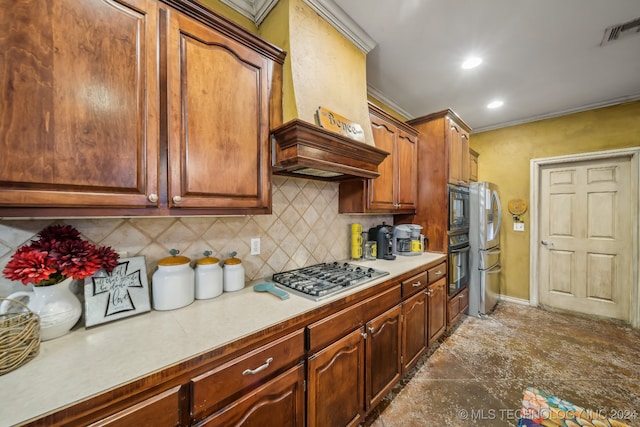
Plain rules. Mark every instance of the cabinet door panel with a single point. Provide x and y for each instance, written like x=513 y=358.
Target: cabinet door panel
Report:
x=381 y=188
x=279 y=403
x=414 y=333
x=335 y=395
x=79 y=115
x=437 y=309
x=219 y=120
x=384 y=342
x=407 y=166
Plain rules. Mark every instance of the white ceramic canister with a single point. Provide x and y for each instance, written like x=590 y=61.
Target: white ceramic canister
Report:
x=208 y=277
x=173 y=284
x=233 y=275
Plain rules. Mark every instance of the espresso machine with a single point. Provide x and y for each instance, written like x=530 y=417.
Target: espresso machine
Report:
x=407 y=240
x=383 y=236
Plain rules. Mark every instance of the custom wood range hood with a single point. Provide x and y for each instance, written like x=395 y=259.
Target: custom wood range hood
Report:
x=305 y=150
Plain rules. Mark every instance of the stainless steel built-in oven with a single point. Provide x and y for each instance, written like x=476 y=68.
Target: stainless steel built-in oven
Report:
x=458 y=208
x=458 y=262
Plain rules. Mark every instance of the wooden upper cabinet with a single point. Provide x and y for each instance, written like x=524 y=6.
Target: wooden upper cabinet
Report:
x=458 y=142
x=134 y=107
x=395 y=190
x=218 y=114
x=381 y=189
x=443 y=158
x=79 y=111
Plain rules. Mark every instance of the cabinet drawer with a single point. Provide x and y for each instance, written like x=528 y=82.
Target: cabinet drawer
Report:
x=414 y=284
x=437 y=272
x=328 y=330
x=163 y=409
x=217 y=387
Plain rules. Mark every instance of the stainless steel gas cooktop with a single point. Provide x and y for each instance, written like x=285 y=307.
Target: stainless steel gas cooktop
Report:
x=323 y=280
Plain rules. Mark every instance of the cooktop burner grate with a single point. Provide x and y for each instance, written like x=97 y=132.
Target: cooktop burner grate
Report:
x=323 y=280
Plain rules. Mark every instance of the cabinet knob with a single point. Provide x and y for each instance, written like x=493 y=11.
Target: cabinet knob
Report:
x=152 y=197
x=429 y=292
x=177 y=199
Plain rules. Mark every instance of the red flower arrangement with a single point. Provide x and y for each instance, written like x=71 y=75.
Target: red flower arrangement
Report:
x=58 y=254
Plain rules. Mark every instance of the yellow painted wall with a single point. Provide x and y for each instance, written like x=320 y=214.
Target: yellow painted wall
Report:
x=275 y=29
x=505 y=156
x=327 y=69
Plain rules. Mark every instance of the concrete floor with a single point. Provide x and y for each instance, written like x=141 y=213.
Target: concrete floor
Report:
x=476 y=374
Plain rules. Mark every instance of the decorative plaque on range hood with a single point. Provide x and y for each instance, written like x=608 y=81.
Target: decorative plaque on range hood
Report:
x=308 y=151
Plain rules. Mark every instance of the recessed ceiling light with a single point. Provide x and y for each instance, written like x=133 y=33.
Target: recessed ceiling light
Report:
x=495 y=104
x=471 y=62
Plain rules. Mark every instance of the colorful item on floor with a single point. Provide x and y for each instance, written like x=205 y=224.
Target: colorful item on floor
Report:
x=543 y=409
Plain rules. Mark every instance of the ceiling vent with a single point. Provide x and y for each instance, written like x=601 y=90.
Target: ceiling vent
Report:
x=616 y=32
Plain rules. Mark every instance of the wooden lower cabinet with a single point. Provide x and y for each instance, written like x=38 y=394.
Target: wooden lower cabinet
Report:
x=414 y=331
x=457 y=305
x=278 y=403
x=437 y=309
x=335 y=390
x=383 y=359
x=329 y=370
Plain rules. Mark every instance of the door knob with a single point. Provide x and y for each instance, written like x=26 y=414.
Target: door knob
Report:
x=547 y=243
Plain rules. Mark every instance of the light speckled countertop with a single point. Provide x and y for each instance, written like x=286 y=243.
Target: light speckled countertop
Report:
x=87 y=362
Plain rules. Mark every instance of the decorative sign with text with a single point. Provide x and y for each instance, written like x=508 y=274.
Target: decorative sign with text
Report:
x=329 y=120
x=122 y=293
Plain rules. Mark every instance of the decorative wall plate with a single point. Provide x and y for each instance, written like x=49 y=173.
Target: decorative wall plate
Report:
x=517 y=206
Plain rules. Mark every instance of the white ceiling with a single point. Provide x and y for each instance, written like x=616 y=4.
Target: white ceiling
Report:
x=541 y=57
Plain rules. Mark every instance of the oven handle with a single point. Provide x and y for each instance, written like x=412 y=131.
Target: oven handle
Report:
x=461 y=250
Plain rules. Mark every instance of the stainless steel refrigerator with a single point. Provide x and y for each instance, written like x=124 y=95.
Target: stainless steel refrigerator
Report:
x=484 y=239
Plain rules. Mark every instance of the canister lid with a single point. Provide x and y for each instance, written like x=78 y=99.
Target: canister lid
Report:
x=174 y=260
x=207 y=261
x=232 y=261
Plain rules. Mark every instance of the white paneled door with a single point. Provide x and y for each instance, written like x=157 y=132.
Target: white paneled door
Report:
x=585 y=237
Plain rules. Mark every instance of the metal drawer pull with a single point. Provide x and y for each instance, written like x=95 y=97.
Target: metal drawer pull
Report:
x=437 y=273
x=259 y=368
x=415 y=285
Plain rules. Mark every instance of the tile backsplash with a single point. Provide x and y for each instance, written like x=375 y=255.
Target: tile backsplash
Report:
x=304 y=228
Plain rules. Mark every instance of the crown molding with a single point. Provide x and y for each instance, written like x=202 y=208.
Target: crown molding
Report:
x=377 y=94
x=580 y=109
x=256 y=10
x=334 y=15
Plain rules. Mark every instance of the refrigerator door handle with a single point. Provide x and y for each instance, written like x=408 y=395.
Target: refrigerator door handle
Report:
x=495 y=193
x=495 y=269
x=494 y=252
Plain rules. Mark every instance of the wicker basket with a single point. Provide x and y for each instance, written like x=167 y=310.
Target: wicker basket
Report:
x=19 y=337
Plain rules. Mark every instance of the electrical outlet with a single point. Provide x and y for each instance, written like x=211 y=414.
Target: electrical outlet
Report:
x=255 y=246
x=518 y=226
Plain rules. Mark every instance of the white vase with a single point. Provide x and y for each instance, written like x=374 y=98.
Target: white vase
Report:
x=59 y=309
